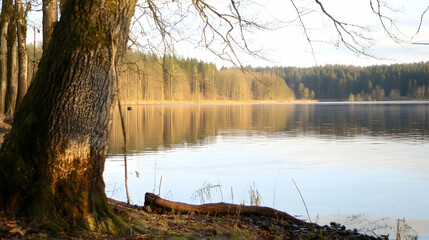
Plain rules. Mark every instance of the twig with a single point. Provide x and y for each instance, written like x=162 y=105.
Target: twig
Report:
x=420 y=23
x=304 y=28
x=124 y=133
x=305 y=205
x=159 y=189
x=122 y=123
x=275 y=188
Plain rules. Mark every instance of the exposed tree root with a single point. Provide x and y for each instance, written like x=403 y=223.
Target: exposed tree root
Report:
x=151 y=200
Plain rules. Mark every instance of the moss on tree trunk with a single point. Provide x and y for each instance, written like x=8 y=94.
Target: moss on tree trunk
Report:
x=51 y=163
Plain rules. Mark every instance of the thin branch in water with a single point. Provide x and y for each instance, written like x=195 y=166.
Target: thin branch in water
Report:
x=159 y=187
x=302 y=198
x=115 y=68
x=124 y=133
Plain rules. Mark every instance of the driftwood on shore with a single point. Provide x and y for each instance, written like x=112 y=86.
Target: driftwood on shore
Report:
x=217 y=208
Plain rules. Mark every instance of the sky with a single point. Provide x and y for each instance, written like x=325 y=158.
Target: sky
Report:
x=287 y=45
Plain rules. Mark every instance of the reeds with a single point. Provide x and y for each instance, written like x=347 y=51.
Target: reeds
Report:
x=255 y=196
x=302 y=198
x=204 y=194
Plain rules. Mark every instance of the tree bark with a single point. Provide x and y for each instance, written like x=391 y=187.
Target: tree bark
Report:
x=12 y=67
x=21 y=26
x=7 y=8
x=50 y=17
x=53 y=159
x=217 y=208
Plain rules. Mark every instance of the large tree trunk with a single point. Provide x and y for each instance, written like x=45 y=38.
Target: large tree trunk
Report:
x=53 y=159
x=21 y=26
x=50 y=16
x=6 y=11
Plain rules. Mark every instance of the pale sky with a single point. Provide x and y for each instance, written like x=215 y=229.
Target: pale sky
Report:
x=287 y=46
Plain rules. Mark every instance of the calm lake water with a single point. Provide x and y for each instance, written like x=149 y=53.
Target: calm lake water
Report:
x=362 y=164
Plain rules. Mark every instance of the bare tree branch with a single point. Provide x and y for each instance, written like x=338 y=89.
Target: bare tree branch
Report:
x=225 y=28
x=383 y=18
x=420 y=23
x=304 y=28
x=349 y=35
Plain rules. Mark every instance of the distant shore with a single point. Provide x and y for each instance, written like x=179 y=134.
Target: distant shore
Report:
x=262 y=102
x=210 y=102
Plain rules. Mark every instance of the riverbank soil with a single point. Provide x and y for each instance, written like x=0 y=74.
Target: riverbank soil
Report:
x=139 y=223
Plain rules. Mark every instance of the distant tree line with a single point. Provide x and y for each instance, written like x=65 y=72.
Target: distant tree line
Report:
x=153 y=78
x=148 y=77
x=374 y=83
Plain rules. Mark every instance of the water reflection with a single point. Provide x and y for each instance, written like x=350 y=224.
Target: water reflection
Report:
x=151 y=127
x=347 y=159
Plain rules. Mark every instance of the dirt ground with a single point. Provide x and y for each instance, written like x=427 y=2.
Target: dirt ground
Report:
x=143 y=224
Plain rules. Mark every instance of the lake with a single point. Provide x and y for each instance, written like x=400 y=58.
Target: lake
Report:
x=364 y=164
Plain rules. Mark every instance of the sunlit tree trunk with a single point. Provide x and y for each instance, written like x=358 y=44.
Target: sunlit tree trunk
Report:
x=21 y=27
x=50 y=16
x=7 y=9
x=12 y=67
x=52 y=161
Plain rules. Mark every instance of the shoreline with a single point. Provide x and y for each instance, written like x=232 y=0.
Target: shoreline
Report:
x=211 y=102
x=323 y=101
x=138 y=222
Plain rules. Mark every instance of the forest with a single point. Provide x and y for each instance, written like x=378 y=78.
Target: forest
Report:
x=373 y=83
x=147 y=77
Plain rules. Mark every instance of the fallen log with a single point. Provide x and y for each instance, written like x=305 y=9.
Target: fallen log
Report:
x=153 y=200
